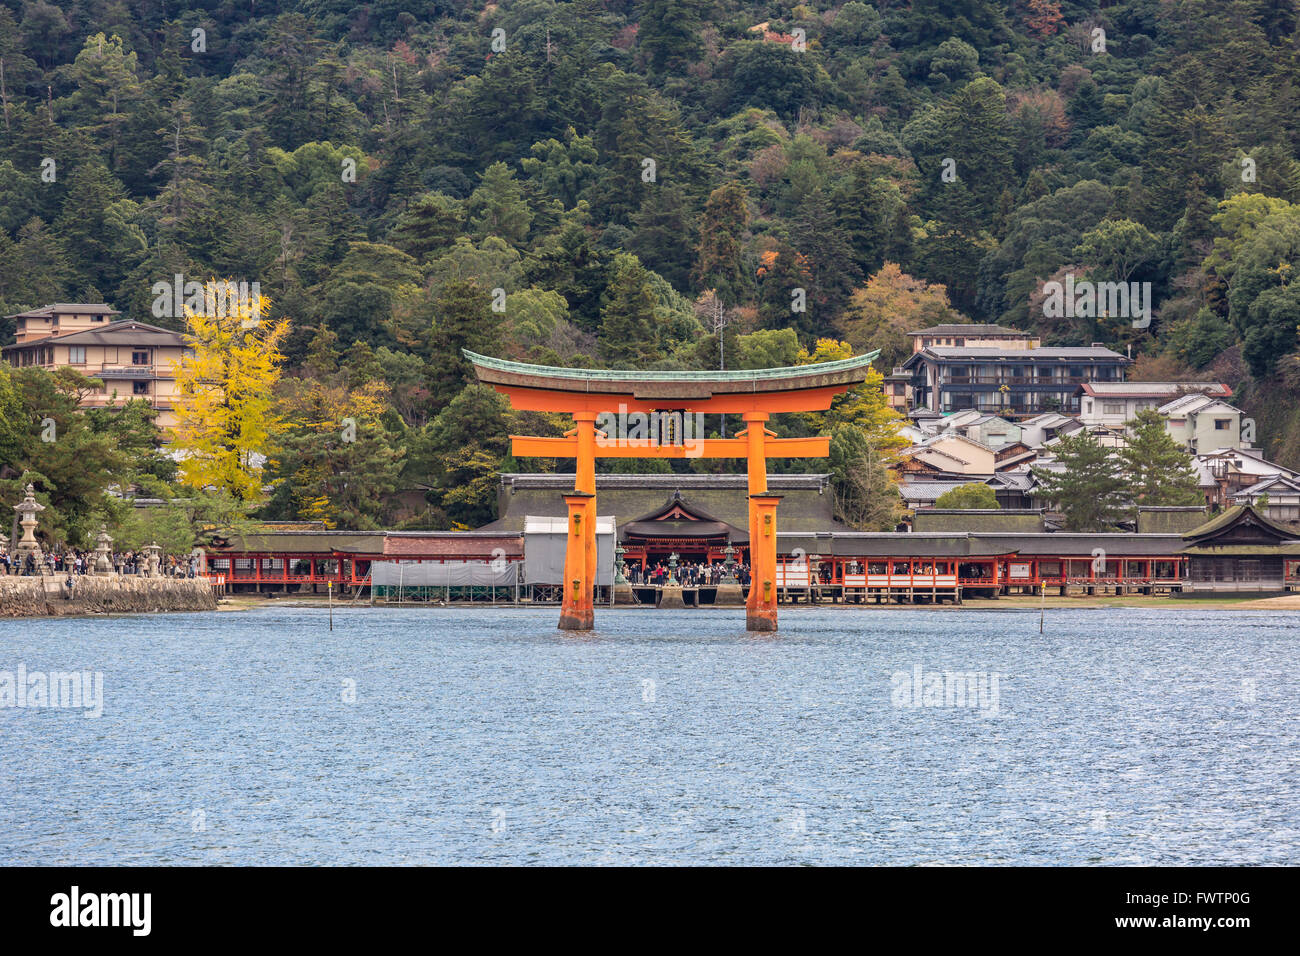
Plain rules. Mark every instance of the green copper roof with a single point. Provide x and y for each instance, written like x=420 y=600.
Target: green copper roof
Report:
x=637 y=375
x=1226 y=519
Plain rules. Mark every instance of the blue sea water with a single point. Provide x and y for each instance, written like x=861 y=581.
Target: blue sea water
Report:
x=486 y=736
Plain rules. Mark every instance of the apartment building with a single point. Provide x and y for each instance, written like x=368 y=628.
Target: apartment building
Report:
x=1013 y=383
x=132 y=359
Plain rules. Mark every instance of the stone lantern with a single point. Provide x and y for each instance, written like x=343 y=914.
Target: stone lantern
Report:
x=153 y=555
x=27 y=510
x=103 y=548
x=729 y=564
x=670 y=595
x=623 y=593
x=729 y=593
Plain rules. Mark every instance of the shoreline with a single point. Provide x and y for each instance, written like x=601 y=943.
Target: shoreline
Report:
x=1287 y=602
x=1007 y=604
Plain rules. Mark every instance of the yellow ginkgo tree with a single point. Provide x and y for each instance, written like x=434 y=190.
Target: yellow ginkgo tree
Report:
x=225 y=408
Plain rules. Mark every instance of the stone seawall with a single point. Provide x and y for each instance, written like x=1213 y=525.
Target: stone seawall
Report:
x=48 y=596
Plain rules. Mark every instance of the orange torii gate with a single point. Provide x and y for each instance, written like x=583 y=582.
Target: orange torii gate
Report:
x=650 y=414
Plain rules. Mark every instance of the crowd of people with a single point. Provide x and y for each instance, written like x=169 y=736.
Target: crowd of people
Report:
x=75 y=562
x=687 y=575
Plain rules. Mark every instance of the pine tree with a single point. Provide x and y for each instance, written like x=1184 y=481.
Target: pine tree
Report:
x=865 y=495
x=429 y=225
x=1090 y=492
x=627 y=318
x=973 y=496
x=1158 y=470
x=461 y=319
x=670 y=31
x=497 y=206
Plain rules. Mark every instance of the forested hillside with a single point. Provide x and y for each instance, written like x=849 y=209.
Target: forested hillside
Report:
x=610 y=183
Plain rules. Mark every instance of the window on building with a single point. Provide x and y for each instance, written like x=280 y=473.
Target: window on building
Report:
x=1112 y=408
x=77 y=354
x=140 y=388
x=139 y=358
x=1222 y=424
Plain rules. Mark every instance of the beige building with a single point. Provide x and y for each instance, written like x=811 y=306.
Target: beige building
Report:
x=954 y=454
x=132 y=359
x=1201 y=423
x=972 y=335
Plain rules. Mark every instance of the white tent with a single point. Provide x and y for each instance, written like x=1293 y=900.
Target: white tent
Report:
x=544 y=543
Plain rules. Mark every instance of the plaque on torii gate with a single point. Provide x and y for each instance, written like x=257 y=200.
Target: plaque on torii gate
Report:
x=649 y=414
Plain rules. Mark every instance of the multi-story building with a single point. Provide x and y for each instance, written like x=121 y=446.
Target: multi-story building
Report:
x=1116 y=403
x=132 y=359
x=1013 y=383
x=1201 y=423
x=898 y=390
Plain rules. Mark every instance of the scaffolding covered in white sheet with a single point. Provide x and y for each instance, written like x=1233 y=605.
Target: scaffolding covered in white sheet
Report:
x=499 y=573
x=544 y=544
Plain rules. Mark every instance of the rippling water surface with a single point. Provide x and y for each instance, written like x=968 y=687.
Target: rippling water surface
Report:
x=486 y=736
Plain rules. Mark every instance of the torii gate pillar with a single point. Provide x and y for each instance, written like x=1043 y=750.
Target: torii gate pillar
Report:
x=760 y=606
x=577 y=611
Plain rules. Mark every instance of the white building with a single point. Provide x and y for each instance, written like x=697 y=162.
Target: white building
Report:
x=1114 y=404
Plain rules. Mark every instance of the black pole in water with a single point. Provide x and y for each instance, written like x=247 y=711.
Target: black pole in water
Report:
x=329 y=587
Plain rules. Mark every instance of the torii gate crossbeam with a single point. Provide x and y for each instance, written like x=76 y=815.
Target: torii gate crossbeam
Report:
x=588 y=395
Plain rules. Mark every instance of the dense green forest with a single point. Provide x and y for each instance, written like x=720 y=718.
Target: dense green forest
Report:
x=609 y=182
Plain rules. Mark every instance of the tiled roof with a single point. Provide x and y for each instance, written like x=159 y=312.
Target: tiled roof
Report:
x=1024 y=355
x=125 y=332
x=972 y=329
x=65 y=308
x=457 y=544
x=1264 y=484
x=1154 y=389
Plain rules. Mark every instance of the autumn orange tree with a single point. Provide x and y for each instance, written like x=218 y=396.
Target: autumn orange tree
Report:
x=891 y=304
x=225 y=409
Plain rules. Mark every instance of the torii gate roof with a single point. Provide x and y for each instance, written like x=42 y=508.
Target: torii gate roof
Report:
x=692 y=388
